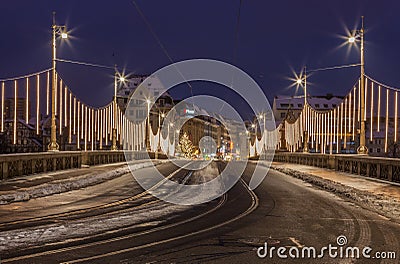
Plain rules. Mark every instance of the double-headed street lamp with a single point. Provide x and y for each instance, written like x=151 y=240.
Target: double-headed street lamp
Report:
x=359 y=34
x=57 y=31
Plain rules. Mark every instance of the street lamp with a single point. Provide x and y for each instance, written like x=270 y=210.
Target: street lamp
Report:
x=176 y=141
x=359 y=34
x=299 y=81
x=262 y=116
x=148 y=126
x=160 y=115
x=57 y=30
x=254 y=126
x=249 y=140
x=117 y=76
x=170 y=125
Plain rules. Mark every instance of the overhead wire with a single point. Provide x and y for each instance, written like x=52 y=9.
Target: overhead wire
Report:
x=236 y=46
x=153 y=33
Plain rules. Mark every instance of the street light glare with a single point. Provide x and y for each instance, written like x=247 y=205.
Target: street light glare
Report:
x=298 y=81
x=122 y=79
x=352 y=39
x=64 y=35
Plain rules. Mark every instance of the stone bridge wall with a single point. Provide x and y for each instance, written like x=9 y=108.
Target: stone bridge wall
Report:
x=14 y=165
x=374 y=167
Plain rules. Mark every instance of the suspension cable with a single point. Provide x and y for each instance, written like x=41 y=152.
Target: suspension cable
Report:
x=335 y=67
x=24 y=76
x=381 y=84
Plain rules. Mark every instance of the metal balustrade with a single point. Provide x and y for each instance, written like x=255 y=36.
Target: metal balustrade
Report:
x=374 y=167
x=15 y=165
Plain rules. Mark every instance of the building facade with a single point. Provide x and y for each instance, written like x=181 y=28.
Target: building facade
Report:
x=283 y=105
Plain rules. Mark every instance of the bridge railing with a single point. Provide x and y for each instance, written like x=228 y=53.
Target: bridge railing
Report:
x=14 y=165
x=374 y=167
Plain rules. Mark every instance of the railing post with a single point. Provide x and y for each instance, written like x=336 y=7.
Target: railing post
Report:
x=19 y=168
x=33 y=162
x=2 y=170
x=378 y=170
x=5 y=170
x=45 y=165
x=331 y=162
x=390 y=172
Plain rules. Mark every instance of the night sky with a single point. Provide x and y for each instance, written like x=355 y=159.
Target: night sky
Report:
x=272 y=38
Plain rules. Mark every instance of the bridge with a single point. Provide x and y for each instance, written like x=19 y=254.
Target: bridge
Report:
x=317 y=134
x=86 y=149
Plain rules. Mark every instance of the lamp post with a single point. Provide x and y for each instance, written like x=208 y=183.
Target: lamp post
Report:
x=170 y=125
x=160 y=115
x=262 y=116
x=254 y=126
x=176 y=140
x=114 y=129
x=57 y=30
x=362 y=149
x=249 y=140
x=148 y=126
x=299 y=81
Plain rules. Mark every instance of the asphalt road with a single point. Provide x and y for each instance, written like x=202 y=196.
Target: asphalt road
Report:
x=282 y=212
x=291 y=213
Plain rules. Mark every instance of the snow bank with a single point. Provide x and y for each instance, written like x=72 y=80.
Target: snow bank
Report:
x=151 y=215
x=70 y=184
x=382 y=204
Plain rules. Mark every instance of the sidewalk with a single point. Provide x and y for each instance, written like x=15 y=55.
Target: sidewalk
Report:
x=374 y=194
x=39 y=185
x=372 y=185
